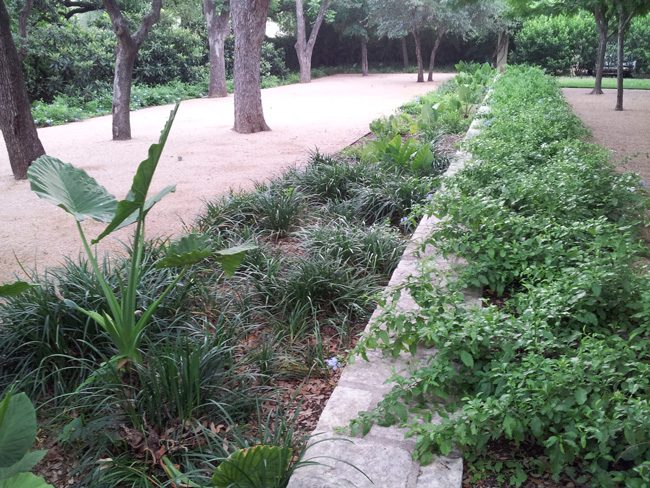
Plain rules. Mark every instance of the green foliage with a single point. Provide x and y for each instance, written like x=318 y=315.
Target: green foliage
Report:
x=377 y=248
x=14 y=289
x=51 y=347
x=82 y=197
x=557 y=368
x=562 y=42
x=17 y=435
x=255 y=467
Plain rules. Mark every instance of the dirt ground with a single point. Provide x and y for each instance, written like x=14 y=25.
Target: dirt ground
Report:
x=626 y=133
x=203 y=157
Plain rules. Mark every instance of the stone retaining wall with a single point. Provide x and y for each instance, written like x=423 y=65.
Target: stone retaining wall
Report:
x=384 y=455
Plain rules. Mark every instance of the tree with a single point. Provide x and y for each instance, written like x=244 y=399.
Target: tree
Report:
x=249 y=24
x=126 y=51
x=626 y=10
x=450 y=17
x=351 y=20
x=397 y=18
x=217 y=14
x=304 y=45
x=16 y=122
x=602 y=10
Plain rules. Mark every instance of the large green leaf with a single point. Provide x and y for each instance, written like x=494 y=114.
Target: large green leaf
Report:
x=255 y=467
x=144 y=174
x=128 y=209
x=28 y=461
x=17 y=428
x=72 y=189
x=25 y=480
x=187 y=250
x=13 y=289
x=230 y=259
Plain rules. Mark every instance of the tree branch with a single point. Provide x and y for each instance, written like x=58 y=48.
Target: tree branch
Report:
x=149 y=20
x=317 y=23
x=120 y=25
x=79 y=7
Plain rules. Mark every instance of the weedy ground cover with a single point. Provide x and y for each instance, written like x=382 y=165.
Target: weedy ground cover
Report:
x=161 y=366
x=553 y=368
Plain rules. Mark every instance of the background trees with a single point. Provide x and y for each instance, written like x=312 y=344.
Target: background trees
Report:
x=351 y=21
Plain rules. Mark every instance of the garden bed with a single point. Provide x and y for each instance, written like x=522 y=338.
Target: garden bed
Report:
x=228 y=363
x=547 y=380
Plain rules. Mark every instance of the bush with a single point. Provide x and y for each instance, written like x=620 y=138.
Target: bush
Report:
x=558 y=43
x=563 y=42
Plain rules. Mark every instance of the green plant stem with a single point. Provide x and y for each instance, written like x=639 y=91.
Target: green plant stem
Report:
x=110 y=296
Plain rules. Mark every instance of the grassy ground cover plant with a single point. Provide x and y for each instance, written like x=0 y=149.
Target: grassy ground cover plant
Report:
x=160 y=367
x=552 y=368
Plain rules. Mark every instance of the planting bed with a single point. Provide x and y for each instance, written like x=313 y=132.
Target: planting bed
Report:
x=228 y=362
x=547 y=380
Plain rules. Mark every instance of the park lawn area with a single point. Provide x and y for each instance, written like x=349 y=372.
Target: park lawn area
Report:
x=588 y=82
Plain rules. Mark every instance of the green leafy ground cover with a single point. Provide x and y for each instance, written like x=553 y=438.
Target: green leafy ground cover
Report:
x=608 y=83
x=553 y=368
x=221 y=360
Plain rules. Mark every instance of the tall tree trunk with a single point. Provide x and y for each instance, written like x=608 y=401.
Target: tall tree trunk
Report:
x=620 y=58
x=405 y=53
x=304 y=46
x=218 y=27
x=418 y=56
x=124 y=61
x=249 y=23
x=16 y=122
x=434 y=51
x=364 y=56
x=125 y=53
x=603 y=29
x=503 y=45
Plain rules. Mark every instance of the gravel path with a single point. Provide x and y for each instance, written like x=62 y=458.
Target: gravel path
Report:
x=204 y=157
x=626 y=133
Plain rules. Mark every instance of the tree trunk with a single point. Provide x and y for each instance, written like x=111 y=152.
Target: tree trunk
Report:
x=124 y=60
x=620 y=59
x=305 y=47
x=418 y=56
x=249 y=24
x=434 y=51
x=603 y=29
x=16 y=122
x=125 y=54
x=503 y=45
x=405 y=53
x=304 y=63
x=364 y=56
x=218 y=27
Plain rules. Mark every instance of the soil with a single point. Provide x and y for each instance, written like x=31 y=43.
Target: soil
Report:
x=624 y=133
x=203 y=157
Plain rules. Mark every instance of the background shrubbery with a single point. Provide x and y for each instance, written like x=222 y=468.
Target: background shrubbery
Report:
x=559 y=43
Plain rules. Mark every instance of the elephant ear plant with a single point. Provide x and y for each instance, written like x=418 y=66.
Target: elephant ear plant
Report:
x=17 y=435
x=81 y=196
